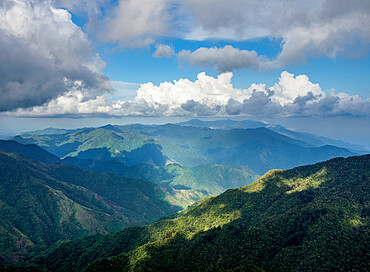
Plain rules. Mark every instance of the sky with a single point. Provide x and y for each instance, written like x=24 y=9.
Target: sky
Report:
x=78 y=63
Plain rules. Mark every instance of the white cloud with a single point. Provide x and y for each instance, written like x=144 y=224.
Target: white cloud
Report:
x=163 y=51
x=290 y=88
x=42 y=53
x=290 y=96
x=223 y=59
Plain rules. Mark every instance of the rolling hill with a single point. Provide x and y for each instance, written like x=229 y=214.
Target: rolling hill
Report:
x=310 y=218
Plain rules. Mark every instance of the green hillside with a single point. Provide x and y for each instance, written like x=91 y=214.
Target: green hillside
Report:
x=210 y=179
x=100 y=143
x=310 y=218
x=41 y=204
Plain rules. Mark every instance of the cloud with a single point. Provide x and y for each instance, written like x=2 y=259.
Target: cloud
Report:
x=223 y=59
x=134 y=23
x=42 y=54
x=163 y=51
x=91 y=7
x=209 y=96
x=306 y=28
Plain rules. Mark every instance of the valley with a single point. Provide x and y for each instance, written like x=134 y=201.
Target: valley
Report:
x=116 y=182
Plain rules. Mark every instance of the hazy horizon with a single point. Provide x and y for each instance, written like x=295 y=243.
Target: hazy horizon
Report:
x=72 y=64
x=352 y=130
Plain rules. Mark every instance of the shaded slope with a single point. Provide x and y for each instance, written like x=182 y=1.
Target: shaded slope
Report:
x=311 y=218
x=212 y=179
x=44 y=203
x=32 y=151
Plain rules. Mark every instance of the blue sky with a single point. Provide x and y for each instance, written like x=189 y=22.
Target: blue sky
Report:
x=138 y=65
x=105 y=60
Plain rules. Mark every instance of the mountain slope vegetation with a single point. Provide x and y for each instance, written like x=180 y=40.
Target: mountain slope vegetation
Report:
x=183 y=185
x=310 y=218
x=209 y=179
x=42 y=203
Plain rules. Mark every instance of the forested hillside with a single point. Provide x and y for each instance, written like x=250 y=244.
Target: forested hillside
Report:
x=310 y=218
x=41 y=203
x=208 y=179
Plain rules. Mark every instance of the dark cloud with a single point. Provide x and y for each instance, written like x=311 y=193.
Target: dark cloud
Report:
x=200 y=109
x=43 y=54
x=222 y=59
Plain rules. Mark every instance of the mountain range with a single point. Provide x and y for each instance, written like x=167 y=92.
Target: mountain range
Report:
x=45 y=200
x=310 y=218
x=310 y=138
x=260 y=149
x=61 y=185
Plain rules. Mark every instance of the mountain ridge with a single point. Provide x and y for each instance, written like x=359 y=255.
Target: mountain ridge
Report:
x=260 y=149
x=309 y=218
x=42 y=203
x=32 y=151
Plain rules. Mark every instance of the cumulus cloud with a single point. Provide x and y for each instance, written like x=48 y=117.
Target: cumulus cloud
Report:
x=76 y=102
x=209 y=96
x=42 y=54
x=163 y=51
x=223 y=59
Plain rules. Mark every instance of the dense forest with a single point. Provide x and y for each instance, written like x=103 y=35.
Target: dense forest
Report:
x=310 y=218
x=42 y=203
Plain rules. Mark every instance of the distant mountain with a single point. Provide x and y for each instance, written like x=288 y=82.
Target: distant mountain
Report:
x=89 y=143
x=310 y=218
x=223 y=124
x=309 y=138
x=32 y=151
x=41 y=204
x=48 y=131
x=259 y=149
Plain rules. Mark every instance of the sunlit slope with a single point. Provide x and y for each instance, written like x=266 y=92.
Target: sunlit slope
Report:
x=310 y=218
